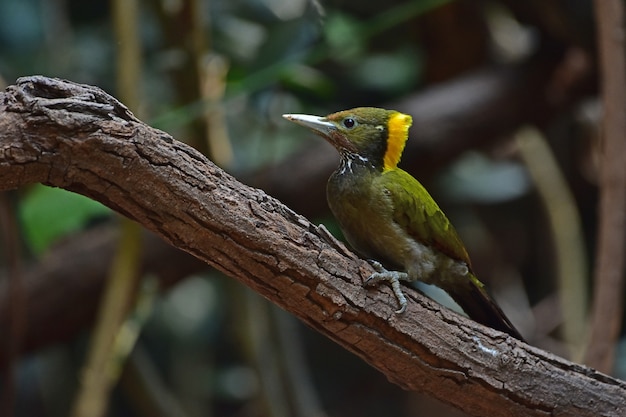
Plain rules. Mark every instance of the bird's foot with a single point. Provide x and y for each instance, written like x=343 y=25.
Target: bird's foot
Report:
x=393 y=277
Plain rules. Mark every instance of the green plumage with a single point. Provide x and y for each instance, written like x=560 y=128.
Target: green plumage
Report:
x=417 y=213
x=388 y=216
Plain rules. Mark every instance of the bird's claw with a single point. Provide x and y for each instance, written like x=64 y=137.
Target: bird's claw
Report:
x=394 y=278
x=377 y=266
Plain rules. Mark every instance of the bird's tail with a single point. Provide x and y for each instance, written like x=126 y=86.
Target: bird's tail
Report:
x=473 y=298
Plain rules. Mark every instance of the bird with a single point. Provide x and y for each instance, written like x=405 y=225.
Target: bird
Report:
x=390 y=219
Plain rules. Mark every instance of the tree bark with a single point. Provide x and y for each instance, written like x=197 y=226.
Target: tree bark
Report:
x=476 y=110
x=608 y=301
x=79 y=138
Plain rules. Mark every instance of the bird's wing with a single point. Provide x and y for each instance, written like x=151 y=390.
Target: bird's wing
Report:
x=419 y=215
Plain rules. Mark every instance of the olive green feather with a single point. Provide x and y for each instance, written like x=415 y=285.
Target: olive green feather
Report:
x=420 y=216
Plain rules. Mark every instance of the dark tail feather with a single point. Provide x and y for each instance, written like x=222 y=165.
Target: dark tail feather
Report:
x=480 y=307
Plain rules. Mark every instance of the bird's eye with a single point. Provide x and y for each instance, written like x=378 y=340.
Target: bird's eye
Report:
x=349 y=122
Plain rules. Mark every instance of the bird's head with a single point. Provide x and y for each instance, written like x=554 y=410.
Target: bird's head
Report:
x=377 y=135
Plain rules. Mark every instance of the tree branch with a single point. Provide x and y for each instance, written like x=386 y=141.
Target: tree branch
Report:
x=608 y=301
x=79 y=138
x=451 y=118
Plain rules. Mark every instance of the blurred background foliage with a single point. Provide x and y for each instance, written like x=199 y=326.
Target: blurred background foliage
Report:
x=218 y=75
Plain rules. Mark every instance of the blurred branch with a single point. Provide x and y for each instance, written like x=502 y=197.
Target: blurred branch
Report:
x=212 y=70
x=103 y=365
x=16 y=308
x=184 y=29
x=607 y=310
x=274 y=347
x=79 y=138
x=147 y=390
x=14 y=321
x=61 y=292
x=257 y=337
x=105 y=358
x=306 y=402
x=567 y=235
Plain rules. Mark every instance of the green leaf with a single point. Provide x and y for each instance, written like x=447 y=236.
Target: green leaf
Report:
x=49 y=213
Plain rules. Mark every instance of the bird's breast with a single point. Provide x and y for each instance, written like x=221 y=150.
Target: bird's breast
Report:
x=365 y=216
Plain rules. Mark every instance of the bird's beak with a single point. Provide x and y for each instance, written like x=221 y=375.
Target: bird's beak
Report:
x=318 y=124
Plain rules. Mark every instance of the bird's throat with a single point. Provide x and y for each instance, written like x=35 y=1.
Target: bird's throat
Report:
x=352 y=162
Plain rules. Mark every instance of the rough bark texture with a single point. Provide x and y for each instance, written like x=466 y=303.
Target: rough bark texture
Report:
x=79 y=138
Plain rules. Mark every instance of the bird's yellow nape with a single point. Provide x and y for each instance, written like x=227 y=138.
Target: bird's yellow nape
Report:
x=398 y=128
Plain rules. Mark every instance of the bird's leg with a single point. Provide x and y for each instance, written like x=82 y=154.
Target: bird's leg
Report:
x=393 y=277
